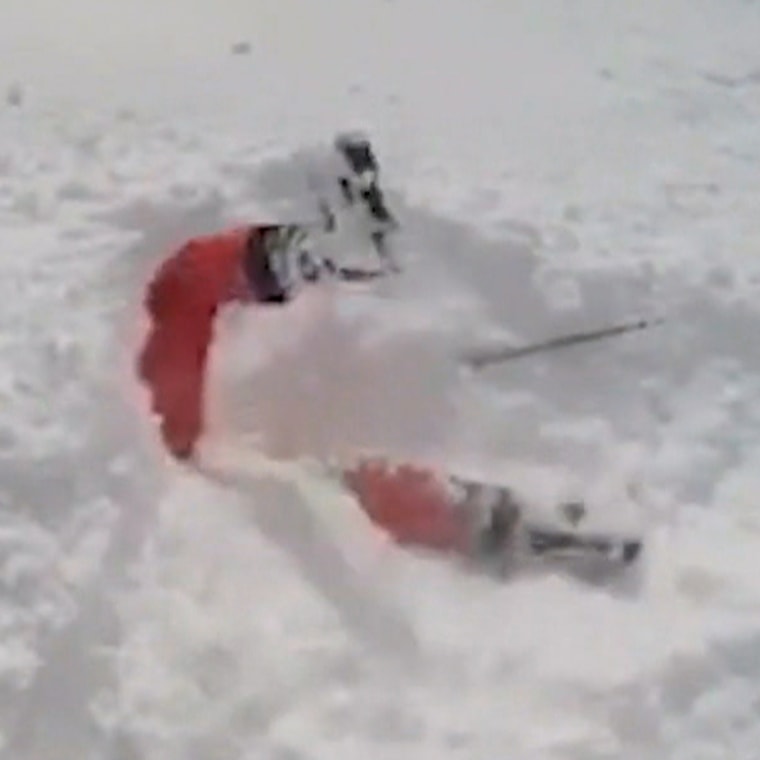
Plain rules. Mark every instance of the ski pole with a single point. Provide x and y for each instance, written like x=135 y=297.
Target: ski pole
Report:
x=490 y=357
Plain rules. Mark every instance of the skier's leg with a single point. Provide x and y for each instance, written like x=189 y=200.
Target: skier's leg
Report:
x=411 y=503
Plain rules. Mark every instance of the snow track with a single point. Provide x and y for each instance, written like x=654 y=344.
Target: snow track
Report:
x=147 y=613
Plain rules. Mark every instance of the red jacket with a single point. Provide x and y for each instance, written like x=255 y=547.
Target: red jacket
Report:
x=182 y=301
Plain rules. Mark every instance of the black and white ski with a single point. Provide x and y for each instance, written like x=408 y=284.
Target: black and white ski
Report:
x=503 y=525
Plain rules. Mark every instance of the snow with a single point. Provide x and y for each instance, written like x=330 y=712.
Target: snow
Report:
x=555 y=166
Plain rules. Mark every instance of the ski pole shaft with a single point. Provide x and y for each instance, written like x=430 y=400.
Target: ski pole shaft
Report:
x=490 y=357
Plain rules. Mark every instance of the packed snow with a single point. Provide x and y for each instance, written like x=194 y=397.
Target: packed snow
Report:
x=555 y=166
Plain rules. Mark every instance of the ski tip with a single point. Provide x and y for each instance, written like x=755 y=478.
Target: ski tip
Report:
x=558 y=544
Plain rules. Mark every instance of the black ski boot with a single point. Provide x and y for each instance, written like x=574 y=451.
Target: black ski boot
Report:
x=493 y=515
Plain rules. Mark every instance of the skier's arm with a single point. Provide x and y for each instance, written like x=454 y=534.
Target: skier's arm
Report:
x=173 y=366
x=172 y=362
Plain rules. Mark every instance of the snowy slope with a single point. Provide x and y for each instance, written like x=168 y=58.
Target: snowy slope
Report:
x=555 y=166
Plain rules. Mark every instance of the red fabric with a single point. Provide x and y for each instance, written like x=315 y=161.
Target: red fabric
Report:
x=410 y=503
x=182 y=300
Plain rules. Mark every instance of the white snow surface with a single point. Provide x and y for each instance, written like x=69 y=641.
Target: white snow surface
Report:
x=555 y=166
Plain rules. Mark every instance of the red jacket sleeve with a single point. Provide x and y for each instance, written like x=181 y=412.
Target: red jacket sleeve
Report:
x=182 y=306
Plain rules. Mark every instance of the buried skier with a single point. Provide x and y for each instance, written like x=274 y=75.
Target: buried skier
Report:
x=266 y=265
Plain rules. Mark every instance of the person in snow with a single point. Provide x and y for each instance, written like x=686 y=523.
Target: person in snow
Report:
x=265 y=265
